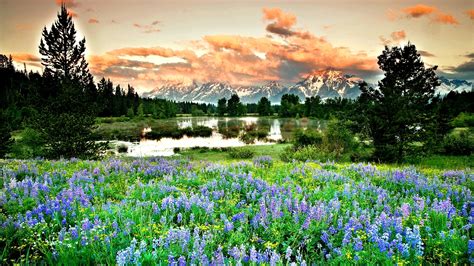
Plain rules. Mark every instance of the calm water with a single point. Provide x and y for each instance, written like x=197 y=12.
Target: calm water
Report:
x=277 y=128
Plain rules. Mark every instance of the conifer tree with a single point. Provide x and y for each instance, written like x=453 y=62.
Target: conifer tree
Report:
x=62 y=55
x=398 y=111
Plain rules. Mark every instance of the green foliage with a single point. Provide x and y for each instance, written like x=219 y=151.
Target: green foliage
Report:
x=29 y=145
x=222 y=106
x=235 y=107
x=140 y=112
x=5 y=136
x=130 y=112
x=63 y=57
x=338 y=139
x=240 y=153
x=290 y=106
x=264 y=107
x=462 y=144
x=463 y=120
x=398 y=111
x=307 y=137
x=66 y=126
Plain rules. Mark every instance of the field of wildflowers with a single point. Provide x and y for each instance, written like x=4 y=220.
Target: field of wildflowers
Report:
x=179 y=212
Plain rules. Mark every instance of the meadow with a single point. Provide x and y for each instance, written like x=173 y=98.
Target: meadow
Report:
x=260 y=211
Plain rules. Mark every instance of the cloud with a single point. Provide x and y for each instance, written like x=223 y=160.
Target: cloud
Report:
x=398 y=35
x=445 y=19
x=68 y=3
x=395 y=38
x=236 y=59
x=419 y=11
x=72 y=13
x=282 y=23
x=149 y=28
x=93 y=21
x=470 y=55
x=433 y=13
x=28 y=59
x=470 y=13
x=426 y=53
x=462 y=71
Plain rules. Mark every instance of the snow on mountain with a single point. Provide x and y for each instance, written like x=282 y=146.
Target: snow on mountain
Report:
x=325 y=84
x=456 y=85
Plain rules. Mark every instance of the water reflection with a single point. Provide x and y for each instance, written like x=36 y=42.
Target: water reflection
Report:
x=227 y=132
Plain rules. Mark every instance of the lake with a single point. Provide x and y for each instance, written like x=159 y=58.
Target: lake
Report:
x=277 y=128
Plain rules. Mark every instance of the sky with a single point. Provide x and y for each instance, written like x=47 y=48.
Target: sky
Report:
x=147 y=43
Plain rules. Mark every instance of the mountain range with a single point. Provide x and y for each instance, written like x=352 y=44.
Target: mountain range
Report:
x=325 y=84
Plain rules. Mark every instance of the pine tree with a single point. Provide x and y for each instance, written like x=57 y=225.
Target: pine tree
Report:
x=222 y=106
x=5 y=136
x=66 y=122
x=63 y=57
x=398 y=111
x=264 y=107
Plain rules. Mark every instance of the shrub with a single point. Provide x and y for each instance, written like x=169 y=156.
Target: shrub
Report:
x=201 y=131
x=122 y=148
x=458 y=145
x=29 y=145
x=338 y=139
x=463 y=120
x=241 y=153
x=230 y=132
x=307 y=137
x=311 y=153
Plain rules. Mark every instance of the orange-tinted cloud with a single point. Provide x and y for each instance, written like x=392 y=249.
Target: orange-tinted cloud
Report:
x=445 y=19
x=93 y=21
x=28 y=59
x=419 y=10
x=238 y=60
x=432 y=12
x=68 y=3
x=395 y=38
x=398 y=35
x=72 y=13
x=470 y=13
x=282 y=23
x=25 y=57
x=151 y=28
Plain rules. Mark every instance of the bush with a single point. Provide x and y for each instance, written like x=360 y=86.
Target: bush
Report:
x=241 y=153
x=201 y=131
x=122 y=148
x=307 y=137
x=338 y=139
x=458 y=145
x=230 y=132
x=311 y=153
x=463 y=120
x=29 y=145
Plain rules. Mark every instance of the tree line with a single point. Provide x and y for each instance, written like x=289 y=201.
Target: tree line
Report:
x=61 y=104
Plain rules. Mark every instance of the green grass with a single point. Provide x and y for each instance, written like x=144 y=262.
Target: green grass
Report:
x=217 y=155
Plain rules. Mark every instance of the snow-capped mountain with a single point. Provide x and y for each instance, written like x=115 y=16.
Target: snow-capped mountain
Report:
x=325 y=84
x=328 y=84
x=457 y=85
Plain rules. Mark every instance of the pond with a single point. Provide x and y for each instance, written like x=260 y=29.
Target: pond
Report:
x=226 y=132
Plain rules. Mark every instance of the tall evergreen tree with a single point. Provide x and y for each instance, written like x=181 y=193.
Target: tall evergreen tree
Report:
x=398 y=110
x=264 y=107
x=66 y=122
x=63 y=57
x=222 y=106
